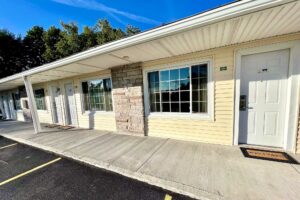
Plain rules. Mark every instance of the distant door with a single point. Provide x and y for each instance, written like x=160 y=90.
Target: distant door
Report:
x=70 y=105
x=6 y=107
x=56 y=105
x=263 y=98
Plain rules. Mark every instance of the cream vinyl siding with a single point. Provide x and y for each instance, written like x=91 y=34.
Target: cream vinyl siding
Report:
x=20 y=116
x=220 y=129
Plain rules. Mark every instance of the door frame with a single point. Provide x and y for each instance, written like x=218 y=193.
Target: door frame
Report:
x=291 y=115
x=65 y=102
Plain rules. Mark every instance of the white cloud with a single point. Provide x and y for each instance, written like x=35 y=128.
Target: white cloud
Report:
x=94 y=5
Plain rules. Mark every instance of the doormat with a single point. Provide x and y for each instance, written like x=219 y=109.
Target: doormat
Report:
x=65 y=127
x=51 y=126
x=268 y=155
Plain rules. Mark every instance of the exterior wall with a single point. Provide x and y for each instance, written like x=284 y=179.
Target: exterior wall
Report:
x=128 y=98
x=96 y=120
x=220 y=129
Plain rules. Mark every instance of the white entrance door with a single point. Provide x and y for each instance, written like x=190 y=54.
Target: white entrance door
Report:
x=263 y=98
x=56 y=105
x=70 y=105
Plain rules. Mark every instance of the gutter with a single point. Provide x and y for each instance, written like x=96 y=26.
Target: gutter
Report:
x=223 y=13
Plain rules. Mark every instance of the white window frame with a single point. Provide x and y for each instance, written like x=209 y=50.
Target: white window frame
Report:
x=46 y=106
x=87 y=112
x=188 y=63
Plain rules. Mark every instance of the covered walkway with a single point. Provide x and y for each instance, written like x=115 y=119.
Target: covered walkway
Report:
x=200 y=170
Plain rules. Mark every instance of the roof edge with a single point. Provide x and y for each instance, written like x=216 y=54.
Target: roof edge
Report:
x=228 y=11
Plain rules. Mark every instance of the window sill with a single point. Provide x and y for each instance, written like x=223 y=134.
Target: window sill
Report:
x=98 y=113
x=42 y=111
x=181 y=116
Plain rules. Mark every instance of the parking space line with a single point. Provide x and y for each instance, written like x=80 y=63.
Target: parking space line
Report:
x=29 y=171
x=8 y=146
x=168 y=197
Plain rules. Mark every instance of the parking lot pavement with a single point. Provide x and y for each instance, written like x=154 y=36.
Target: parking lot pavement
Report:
x=24 y=176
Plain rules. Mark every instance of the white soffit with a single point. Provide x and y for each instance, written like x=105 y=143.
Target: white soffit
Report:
x=232 y=24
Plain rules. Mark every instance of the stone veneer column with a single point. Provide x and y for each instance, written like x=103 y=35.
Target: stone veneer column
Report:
x=128 y=101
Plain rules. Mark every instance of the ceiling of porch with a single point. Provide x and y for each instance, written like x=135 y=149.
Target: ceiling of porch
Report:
x=277 y=20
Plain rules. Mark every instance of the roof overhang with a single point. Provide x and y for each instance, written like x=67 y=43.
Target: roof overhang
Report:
x=235 y=23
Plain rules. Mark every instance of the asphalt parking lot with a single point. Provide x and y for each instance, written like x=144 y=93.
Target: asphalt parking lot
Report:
x=28 y=173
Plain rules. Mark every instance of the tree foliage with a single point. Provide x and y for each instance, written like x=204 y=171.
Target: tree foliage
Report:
x=41 y=46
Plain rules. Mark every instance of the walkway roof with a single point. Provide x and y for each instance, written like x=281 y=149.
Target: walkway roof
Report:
x=234 y=23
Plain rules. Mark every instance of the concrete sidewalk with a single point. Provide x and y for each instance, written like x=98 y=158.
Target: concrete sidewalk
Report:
x=199 y=170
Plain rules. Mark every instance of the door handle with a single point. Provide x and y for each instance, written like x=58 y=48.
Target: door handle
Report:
x=249 y=108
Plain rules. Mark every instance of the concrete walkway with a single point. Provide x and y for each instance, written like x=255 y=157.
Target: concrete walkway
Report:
x=199 y=170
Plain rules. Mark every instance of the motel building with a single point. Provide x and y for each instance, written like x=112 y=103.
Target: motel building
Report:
x=228 y=76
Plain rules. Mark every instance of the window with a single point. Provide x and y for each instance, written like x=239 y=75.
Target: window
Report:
x=182 y=89
x=16 y=101
x=97 y=95
x=39 y=96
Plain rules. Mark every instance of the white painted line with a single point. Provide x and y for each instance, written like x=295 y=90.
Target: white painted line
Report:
x=8 y=146
x=29 y=171
x=168 y=197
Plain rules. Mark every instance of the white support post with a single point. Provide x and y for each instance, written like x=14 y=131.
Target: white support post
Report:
x=32 y=105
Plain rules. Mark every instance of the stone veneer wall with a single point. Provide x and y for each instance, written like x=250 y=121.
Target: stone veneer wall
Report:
x=128 y=103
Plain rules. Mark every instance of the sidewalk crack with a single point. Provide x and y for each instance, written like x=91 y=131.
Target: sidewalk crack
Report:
x=159 y=147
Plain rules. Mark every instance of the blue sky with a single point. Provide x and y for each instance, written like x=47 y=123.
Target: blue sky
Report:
x=19 y=15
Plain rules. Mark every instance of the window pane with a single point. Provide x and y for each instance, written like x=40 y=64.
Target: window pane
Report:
x=202 y=83
x=195 y=95
x=175 y=96
x=203 y=95
x=195 y=84
x=155 y=107
x=184 y=73
x=85 y=89
x=153 y=77
x=185 y=96
x=195 y=106
x=185 y=107
x=166 y=107
x=185 y=84
x=164 y=86
x=40 y=99
x=203 y=107
x=165 y=97
x=199 y=71
x=174 y=85
x=174 y=107
x=154 y=87
x=174 y=74
x=164 y=75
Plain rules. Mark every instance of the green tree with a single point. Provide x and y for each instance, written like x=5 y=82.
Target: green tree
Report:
x=88 y=38
x=131 y=30
x=69 y=42
x=106 y=33
x=51 y=38
x=10 y=53
x=33 y=47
